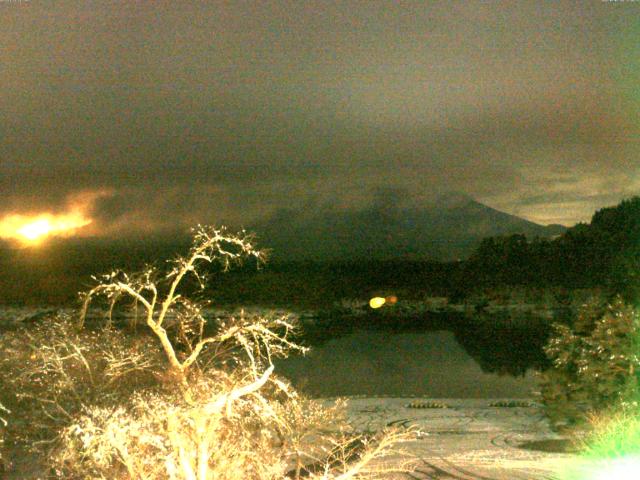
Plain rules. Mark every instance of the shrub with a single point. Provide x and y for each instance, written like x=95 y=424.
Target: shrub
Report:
x=164 y=436
x=595 y=365
x=613 y=435
x=52 y=371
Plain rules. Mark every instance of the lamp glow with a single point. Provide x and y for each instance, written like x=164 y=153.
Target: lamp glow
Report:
x=377 y=302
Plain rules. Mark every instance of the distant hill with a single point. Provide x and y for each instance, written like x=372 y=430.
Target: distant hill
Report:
x=449 y=228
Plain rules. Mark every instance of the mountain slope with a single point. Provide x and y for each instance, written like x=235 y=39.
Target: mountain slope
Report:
x=447 y=229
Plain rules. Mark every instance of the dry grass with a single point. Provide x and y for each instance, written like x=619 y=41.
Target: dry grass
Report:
x=612 y=435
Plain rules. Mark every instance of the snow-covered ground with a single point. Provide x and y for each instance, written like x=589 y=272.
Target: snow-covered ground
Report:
x=11 y=315
x=470 y=439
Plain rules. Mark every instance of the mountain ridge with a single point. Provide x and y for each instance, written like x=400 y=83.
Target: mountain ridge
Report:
x=450 y=228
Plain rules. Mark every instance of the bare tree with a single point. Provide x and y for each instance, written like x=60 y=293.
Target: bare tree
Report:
x=238 y=422
x=210 y=245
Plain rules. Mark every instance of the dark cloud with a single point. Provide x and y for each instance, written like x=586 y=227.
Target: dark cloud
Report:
x=164 y=112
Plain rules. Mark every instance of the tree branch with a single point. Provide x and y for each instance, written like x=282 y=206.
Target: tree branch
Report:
x=228 y=399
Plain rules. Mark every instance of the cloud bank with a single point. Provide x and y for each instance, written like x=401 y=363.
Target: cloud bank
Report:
x=166 y=114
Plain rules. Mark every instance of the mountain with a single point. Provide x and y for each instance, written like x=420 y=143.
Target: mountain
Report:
x=449 y=228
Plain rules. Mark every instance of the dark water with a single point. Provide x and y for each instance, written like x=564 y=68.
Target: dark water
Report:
x=482 y=361
x=444 y=357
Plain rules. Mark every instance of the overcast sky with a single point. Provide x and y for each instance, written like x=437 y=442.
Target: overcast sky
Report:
x=146 y=113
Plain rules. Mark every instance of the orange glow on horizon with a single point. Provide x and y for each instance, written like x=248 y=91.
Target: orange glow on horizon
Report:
x=33 y=229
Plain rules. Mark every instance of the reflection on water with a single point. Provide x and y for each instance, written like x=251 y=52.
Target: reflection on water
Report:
x=505 y=349
x=439 y=356
x=478 y=361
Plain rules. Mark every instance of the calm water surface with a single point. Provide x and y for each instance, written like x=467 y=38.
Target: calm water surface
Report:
x=479 y=360
x=431 y=364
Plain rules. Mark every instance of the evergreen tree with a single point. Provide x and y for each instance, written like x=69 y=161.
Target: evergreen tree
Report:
x=596 y=365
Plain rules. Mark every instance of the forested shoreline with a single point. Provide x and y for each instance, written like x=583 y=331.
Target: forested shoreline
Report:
x=604 y=254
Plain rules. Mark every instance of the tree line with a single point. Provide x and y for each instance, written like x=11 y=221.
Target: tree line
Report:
x=602 y=253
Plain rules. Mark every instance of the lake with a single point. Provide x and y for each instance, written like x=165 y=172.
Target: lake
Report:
x=479 y=357
x=430 y=364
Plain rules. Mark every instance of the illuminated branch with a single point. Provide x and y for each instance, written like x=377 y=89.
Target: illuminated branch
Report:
x=228 y=399
x=3 y=409
x=209 y=245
